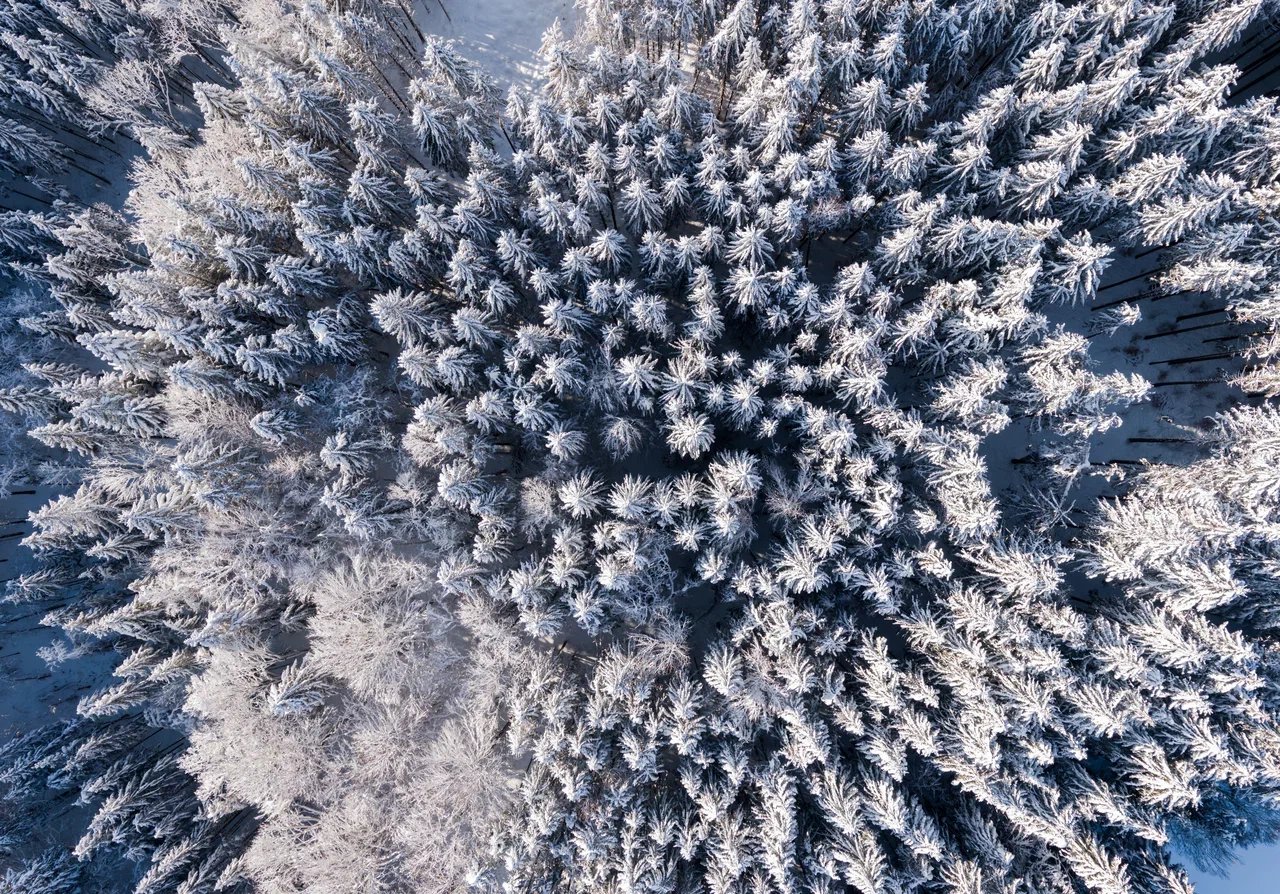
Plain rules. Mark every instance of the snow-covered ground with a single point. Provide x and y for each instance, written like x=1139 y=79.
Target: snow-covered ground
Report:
x=502 y=36
x=31 y=692
x=1258 y=872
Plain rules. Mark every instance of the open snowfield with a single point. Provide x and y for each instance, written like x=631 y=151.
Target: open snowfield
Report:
x=503 y=36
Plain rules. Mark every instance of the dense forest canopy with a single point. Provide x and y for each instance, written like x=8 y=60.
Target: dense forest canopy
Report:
x=794 y=446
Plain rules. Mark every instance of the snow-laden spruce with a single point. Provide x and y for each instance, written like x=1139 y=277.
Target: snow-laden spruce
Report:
x=630 y=506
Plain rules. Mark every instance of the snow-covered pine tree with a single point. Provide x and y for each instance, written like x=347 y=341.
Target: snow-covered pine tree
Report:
x=692 y=411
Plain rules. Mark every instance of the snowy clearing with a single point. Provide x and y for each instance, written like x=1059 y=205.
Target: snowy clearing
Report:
x=786 y=446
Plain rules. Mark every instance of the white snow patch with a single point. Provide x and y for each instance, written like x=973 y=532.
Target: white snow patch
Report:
x=501 y=36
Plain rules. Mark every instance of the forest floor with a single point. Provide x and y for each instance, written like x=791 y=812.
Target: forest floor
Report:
x=501 y=36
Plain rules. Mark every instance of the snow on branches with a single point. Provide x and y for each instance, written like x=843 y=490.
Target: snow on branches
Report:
x=680 y=478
